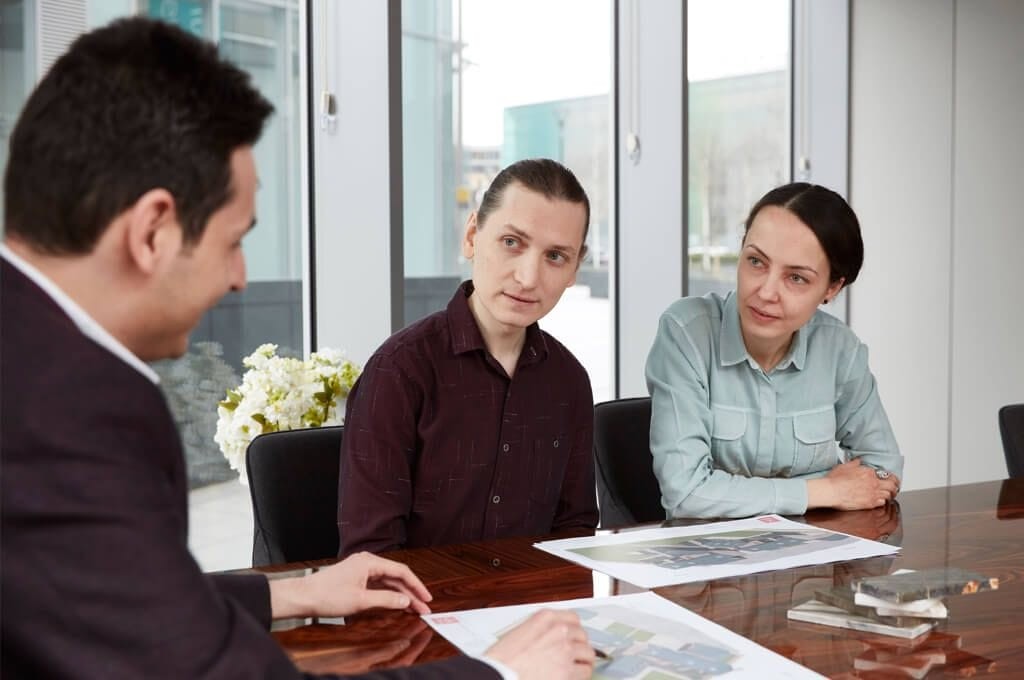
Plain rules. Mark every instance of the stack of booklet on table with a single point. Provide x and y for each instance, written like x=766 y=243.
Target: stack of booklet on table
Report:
x=905 y=603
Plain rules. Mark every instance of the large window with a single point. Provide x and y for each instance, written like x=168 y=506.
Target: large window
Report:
x=739 y=126
x=485 y=84
x=17 y=69
x=262 y=37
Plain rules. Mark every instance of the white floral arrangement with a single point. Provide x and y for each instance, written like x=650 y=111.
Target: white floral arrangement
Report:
x=282 y=393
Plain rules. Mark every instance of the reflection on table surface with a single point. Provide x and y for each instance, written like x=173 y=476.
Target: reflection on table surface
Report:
x=971 y=526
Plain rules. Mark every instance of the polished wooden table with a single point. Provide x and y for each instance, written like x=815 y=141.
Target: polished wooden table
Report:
x=975 y=526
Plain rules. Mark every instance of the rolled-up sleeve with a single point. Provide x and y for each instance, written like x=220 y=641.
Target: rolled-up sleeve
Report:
x=682 y=423
x=862 y=427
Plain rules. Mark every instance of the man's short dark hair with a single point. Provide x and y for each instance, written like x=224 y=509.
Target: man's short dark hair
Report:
x=549 y=178
x=133 y=106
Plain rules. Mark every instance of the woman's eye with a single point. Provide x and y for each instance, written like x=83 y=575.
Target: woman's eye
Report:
x=796 y=278
x=755 y=261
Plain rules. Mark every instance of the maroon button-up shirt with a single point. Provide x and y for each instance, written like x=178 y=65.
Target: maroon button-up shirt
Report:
x=440 y=446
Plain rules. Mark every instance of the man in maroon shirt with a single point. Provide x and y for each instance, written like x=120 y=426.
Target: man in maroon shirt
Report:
x=473 y=423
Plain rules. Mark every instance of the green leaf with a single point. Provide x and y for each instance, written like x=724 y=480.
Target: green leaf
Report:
x=262 y=420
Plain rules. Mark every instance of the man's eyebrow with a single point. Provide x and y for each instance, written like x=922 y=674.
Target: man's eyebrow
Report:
x=252 y=225
x=800 y=267
x=517 y=231
x=568 y=250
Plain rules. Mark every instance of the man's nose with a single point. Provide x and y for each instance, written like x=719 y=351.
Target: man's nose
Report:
x=526 y=271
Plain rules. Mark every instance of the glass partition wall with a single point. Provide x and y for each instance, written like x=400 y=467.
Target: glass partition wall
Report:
x=738 y=80
x=485 y=84
x=262 y=37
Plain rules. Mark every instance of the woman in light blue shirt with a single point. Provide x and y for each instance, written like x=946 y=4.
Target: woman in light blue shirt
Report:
x=760 y=401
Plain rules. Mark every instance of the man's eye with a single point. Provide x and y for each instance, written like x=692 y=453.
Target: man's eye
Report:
x=755 y=261
x=510 y=242
x=558 y=257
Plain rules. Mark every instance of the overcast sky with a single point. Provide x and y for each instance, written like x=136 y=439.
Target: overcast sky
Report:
x=530 y=51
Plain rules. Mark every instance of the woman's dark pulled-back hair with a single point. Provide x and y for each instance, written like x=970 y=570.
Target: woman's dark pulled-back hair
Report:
x=549 y=178
x=133 y=106
x=829 y=216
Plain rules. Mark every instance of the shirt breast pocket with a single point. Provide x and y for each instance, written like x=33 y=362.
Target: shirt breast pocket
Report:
x=550 y=456
x=814 y=437
x=727 y=430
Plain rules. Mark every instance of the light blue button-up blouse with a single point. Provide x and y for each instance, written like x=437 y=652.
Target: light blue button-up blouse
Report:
x=730 y=440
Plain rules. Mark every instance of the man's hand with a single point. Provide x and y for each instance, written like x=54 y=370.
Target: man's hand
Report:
x=549 y=645
x=852 y=486
x=359 y=582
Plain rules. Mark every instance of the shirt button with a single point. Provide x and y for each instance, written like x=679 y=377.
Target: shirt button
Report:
x=496 y=499
x=504 y=447
x=495 y=562
x=555 y=443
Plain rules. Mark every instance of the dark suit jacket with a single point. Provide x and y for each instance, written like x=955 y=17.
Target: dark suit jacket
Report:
x=96 y=579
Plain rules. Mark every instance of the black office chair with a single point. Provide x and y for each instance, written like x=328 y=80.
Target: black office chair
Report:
x=627 y=489
x=293 y=482
x=1011 y=427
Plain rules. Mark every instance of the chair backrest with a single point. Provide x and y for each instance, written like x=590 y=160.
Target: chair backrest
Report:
x=293 y=482
x=1011 y=427
x=627 y=489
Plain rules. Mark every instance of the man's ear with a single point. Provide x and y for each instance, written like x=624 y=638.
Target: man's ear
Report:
x=582 y=256
x=469 y=238
x=579 y=261
x=153 y=232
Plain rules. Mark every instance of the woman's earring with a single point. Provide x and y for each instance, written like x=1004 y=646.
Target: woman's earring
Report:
x=825 y=301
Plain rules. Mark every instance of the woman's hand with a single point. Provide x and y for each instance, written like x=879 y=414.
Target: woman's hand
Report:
x=852 y=486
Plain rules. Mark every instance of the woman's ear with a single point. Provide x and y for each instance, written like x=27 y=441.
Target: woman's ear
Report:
x=833 y=290
x=153 y=232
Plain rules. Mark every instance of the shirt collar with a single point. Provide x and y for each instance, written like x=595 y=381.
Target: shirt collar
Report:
x=466 y=335
x=85 y=323
x=733 y=349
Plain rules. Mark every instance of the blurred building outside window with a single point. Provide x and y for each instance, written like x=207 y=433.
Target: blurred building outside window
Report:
x=475 y=99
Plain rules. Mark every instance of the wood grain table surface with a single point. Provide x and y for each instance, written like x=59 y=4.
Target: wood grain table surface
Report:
x=975 y=526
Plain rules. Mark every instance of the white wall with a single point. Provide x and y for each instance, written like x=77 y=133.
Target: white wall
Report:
x=988 y=234
x=936 y=90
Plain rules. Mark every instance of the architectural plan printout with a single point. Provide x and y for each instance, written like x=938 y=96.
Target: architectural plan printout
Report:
x=652 y=558
x=642 y=635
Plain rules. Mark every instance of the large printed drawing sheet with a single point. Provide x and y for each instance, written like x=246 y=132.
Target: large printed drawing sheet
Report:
x=641 y=635
x=652 y=558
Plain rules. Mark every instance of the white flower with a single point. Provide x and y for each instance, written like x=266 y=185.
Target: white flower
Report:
x=282 y=393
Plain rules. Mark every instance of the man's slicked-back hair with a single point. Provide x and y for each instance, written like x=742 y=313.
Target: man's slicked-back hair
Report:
x=133 y=106
x=548 y=178
x=831 y=219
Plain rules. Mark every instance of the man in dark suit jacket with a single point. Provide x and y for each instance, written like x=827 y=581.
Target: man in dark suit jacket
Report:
x=130 y=184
